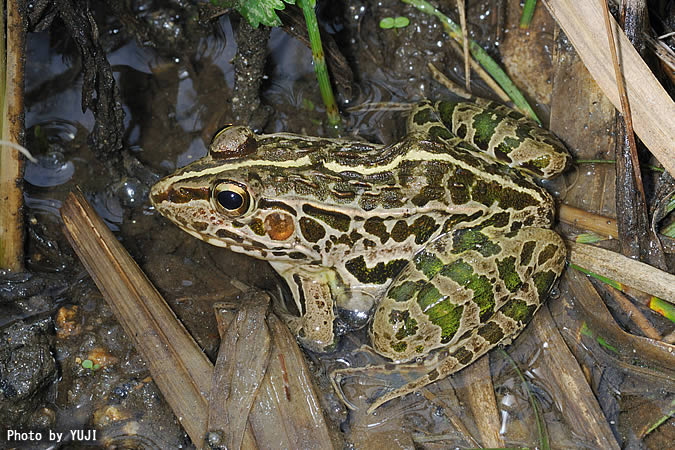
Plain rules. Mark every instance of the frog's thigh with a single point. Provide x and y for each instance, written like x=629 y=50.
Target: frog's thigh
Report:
x=481 y=289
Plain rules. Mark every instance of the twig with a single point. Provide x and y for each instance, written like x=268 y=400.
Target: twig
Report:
x=177 y=364
x=635 y=314
x=11 y=124
x=653 y=110
x=583 y=219
x=461 y=7
x=492 y=84
x=448 y=83
x=626 y=270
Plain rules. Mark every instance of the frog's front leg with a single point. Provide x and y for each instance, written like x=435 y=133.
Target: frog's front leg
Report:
x=463 y=294
x=314 y=300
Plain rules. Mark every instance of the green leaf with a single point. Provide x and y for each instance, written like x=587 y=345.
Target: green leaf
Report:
x=401 y=22
x=262 y=11
x=387 y=23
x=87 y=364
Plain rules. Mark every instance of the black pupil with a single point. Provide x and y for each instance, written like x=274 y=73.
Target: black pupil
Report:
x=230 y=200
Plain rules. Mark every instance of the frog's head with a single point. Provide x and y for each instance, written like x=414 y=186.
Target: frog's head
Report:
x=250 y=194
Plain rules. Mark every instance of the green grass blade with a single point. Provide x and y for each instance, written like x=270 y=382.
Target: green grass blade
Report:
x=320 y=63
x=480 y=55
x=528 y=13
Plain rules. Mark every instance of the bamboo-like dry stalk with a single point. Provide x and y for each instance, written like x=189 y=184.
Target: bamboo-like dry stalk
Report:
x=461 y=8
x=582 y=411
x=653 y=110
x=480 y=397
x=625 y=270
x=580 y=218
x=177 y=364
x=11 y=129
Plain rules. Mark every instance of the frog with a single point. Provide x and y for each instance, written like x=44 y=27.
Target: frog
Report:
x=443 y=238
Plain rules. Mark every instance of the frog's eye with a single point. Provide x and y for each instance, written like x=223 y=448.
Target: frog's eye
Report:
x=232 y=197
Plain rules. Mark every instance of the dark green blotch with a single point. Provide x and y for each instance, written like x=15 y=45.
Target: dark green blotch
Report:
x=459 y=185
x=455 y=219
x=376 y=227
x=345 y=240
x=443 y=313
x=336 y=220
x=409 y=326
x=257 y=227
x=400 y=231
x=312 y=230
x=491 y=332
x=507 y=272
x=445 y=110
x=463 y=355
x=502 y=151
x=484 y=123
x=518 y=310
x=497 y=220
x=526 y=252
x=423 y=228
x=273 y=204
x=428 y=297
x=461 y=130
x=374 y=275
x=426 y=194
x=399 y=347
x=543 y=281
x=472 y=239
x=547 y=253
x=427 y=263
x=423 y=116
x=462 y=273
x=200 y=226
x=489 y=192
x=441 y=132
x=405 y=291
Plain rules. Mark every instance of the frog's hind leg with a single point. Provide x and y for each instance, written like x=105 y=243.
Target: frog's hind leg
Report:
x=506 y=135
x=462 y=295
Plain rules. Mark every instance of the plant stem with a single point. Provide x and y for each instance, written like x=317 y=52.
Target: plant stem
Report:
x=528 y=13
x=11 y=129
x=480 y=55
x=320 y=64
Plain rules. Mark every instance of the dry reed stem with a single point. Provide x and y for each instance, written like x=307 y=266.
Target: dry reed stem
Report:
x=581 y=409
x=580 y=218
x=653 y=110
x=624 y=270
x=625 y=106
x=479 y=395
x=634 y=313
x=177 y=364
x=461 y=7
x=11 y=108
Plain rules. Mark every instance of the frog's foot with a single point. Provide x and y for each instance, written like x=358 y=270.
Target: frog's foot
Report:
x=313 y=298
x=433 y=368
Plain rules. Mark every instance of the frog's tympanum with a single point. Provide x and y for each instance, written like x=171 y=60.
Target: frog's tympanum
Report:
x=444 y=233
